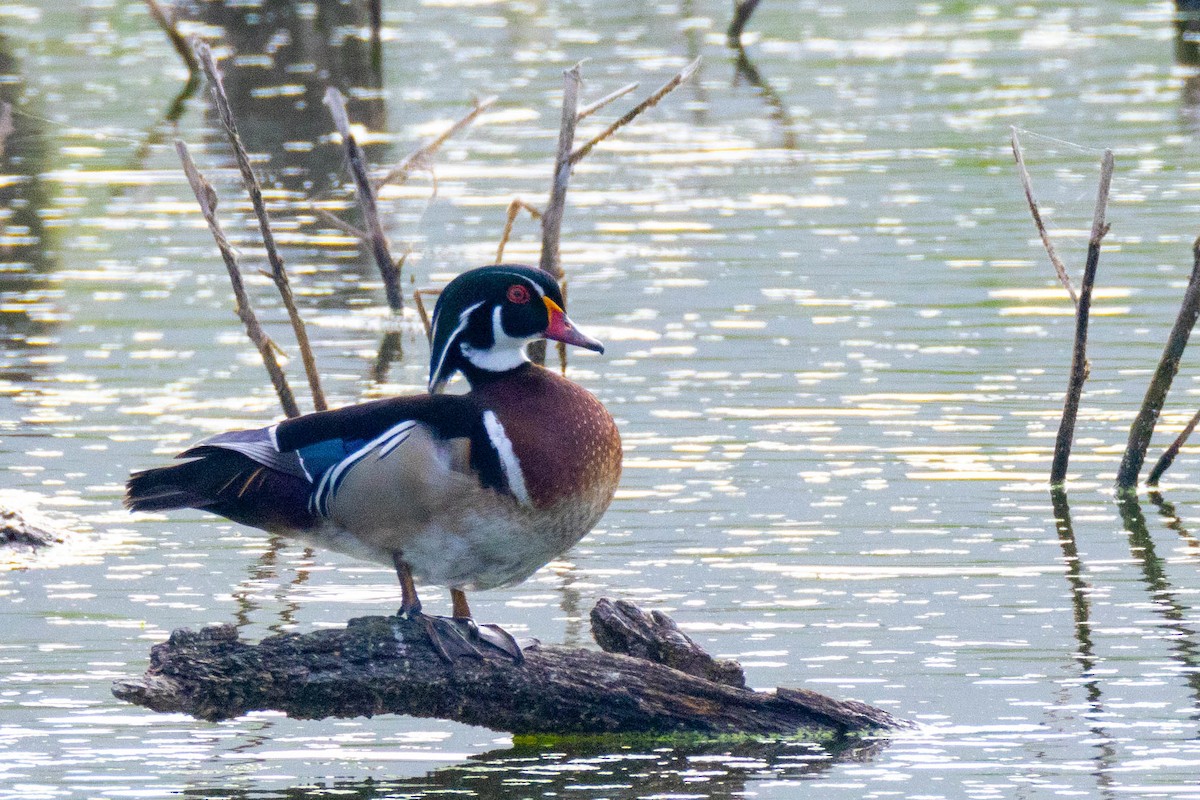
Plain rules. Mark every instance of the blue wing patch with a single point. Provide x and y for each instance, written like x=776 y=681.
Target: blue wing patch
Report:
x=332 y=467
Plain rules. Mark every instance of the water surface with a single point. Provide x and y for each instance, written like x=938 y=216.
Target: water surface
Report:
x=836 y=354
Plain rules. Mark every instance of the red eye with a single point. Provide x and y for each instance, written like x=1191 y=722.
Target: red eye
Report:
x=518 y=294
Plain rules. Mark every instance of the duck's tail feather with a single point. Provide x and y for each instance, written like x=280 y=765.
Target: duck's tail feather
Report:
x=228 y=483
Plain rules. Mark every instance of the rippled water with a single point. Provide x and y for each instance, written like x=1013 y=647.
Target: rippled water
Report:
x=836 y=355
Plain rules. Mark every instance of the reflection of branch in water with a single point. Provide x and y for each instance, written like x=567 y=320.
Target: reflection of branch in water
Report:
x=1187 y=32
x=1183 y=643
x=266 y=570
x=185 y=54
x=391 y=350
x=569 y=598
x=1086 y=654
x=693 y=36
x=744 y=69
x=641 y=768
x=375 y=10
x=1171 y=519
x=742 y=11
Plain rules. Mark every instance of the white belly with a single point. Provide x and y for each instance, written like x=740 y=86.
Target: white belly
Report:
x=419 y=501
x=478 y=552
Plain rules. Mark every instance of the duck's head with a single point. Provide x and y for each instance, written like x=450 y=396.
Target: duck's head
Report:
x=486 y=317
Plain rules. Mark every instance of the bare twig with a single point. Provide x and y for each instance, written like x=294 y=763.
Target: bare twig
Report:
x=388 y=269
x=514 y=208
x=207 y=198
x=1066 y=428
x=1059 y=268
x=340 y=224
x=420 y=302
x=742 y=11
x=592 y=108
x=650 y=102
x=1168 y=457
x=553 y=215
x=278 y=273
x=422 y=157
x=1142 y=428
x=174 y=36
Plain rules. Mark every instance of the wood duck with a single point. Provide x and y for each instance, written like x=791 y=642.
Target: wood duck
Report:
x=468 y=491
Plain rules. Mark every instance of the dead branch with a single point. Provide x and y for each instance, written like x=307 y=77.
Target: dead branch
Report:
x=278 y=273
x=650 y=102
x=1079 y=365
x=1059 y=268
x=1142 y=429
x=514 y=208
x=422 y=157
x=420 y=303
x=592 y=108
x=1168 y=457
x=379 y=665
x=553 y=215
x=207 y=198
x=339 y=223
x=388 y=270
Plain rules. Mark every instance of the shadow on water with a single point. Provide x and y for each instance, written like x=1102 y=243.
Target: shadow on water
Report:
x=1163 y=596
x=1106 y=754
x=577 y=769
x=29 y=311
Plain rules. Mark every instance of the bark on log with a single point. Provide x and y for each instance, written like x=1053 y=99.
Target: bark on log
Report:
x=378 y=665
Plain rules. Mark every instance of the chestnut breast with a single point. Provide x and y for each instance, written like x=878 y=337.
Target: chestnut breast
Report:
x=565 y=441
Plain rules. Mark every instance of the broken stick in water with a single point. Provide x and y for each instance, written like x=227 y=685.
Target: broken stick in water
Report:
x=388 y=269
x=1027 y=183
x=207 y=198
x=278 y=273
x=1168 y=457
x=1079 y=364
x=1142 y=429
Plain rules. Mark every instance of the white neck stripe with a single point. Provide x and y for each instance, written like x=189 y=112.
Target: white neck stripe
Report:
x=508 y=457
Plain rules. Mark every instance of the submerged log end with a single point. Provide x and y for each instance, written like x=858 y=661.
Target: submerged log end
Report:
x=377 y=665
x=19 y=531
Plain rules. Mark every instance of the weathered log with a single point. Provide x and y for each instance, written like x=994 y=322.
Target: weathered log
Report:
x=378 y=665
x=622 y=627
x=16 y=530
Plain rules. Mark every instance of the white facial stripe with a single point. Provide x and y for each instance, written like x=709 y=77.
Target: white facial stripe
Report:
x=463 y=319
x=505 y=353
x=536 y=286
x=508 y=457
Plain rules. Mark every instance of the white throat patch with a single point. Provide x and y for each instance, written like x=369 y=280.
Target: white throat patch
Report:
x=506 y=353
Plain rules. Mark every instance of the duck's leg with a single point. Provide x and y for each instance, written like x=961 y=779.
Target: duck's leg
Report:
x=410 y=604
x=492 y=635
x=446 y=640
x=456 y=637
x=458 y=599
